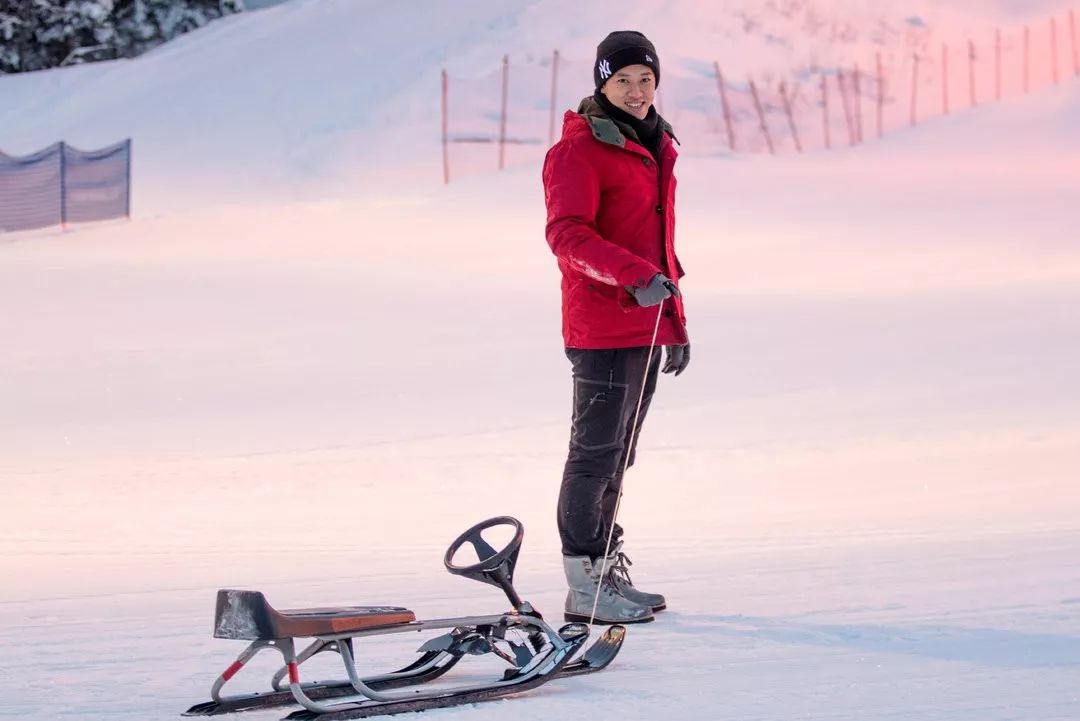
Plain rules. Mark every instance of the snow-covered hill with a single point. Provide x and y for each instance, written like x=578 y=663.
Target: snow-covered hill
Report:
x=332 y=97
x=860 y=499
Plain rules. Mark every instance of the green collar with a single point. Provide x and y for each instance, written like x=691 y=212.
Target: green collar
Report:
x=610 y=131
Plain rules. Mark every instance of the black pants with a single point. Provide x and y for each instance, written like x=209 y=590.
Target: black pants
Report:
x=607 y=384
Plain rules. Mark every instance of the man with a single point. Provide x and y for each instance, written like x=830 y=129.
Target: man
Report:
x=610 y=195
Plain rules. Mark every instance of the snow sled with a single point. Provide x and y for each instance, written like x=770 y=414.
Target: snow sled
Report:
x=533 y=652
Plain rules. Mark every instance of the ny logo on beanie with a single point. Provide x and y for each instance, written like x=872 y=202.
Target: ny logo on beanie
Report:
x=622 y=48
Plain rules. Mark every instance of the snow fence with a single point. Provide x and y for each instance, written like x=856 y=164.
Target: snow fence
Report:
x=512 y=115
x=62 y=184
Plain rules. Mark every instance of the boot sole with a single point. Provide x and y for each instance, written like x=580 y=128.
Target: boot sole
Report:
x=658 y=609
x=604 y=622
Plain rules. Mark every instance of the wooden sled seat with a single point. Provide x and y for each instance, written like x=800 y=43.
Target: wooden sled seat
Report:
x=247 y=615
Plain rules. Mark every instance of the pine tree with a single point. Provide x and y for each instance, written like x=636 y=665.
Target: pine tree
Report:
x=36 y=34
x=146 y=23
x=10 y=30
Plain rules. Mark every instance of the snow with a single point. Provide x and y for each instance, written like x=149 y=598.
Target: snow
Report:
x=305 y=366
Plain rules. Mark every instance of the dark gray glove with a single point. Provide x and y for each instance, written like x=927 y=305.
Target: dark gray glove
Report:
x=678 y=357
x=660 y=288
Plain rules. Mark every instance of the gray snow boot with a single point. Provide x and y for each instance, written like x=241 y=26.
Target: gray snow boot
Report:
x=618 y=566
x=582 y=575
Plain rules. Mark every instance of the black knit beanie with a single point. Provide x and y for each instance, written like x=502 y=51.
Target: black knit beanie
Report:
x=622 y=48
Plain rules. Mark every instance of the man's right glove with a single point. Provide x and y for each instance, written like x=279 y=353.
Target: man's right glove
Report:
x=678 y=357
x=660 y=288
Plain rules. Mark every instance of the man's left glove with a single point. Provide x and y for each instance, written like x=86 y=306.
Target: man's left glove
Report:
x=678 y=357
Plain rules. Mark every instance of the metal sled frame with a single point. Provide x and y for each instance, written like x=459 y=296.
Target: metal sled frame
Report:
x=540 y=654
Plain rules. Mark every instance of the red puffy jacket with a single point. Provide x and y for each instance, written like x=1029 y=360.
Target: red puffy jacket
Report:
x=611 y=223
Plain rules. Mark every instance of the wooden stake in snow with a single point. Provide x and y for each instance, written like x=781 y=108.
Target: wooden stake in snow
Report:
x=724 y=107
x=971 y=74
x=445 y=124
x=944 y=79
x=790 y=116
x=1072 y=36
x=849 y=121
x=1027 y=60
x=554 y=94
x=761 y=117
x=825 y=109
x=880 y=98
x=502 y=116
x=914 y=87
x=856 y=105
x=1053 y=50
x=997 y=64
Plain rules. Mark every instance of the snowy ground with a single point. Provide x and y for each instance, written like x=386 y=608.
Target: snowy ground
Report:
x=861 y=499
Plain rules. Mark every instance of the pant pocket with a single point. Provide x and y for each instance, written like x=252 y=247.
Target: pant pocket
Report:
x=598 y=414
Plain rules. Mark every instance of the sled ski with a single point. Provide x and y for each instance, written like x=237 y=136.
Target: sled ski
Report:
x=535 y=653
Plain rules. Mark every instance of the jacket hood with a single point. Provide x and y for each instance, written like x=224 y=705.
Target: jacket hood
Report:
x=602 y=127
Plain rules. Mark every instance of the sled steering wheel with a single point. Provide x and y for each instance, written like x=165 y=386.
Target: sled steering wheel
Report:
x=495 y=566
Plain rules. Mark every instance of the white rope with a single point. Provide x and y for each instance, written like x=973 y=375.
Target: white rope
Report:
x=626 y=464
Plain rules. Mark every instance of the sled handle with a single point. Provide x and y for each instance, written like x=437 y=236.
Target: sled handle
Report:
x=495 y=566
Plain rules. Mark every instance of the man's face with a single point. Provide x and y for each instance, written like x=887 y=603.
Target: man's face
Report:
x=631 y=89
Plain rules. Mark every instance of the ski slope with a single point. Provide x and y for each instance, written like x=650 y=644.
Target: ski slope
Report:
x=307 y=371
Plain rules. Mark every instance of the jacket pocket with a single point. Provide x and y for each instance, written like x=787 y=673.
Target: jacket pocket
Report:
x=679 y=268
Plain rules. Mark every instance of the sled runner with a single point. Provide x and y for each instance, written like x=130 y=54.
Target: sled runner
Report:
x=533 y=651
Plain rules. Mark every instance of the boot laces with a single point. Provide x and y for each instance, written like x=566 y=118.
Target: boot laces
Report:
x=620 y=569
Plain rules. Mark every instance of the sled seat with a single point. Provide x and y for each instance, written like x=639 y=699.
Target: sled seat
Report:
x=247 y=615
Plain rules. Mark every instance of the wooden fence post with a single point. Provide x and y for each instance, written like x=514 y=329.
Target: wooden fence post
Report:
x=880 y=98
x=445 y=125
x=944 y=79
x=971 y=74
x=724 y=106
x=997 y=64
x=1072 y=36
x=825 y=109
x=127 y=178
x=761 y=117
x=1027 y=60
x=554 y=94
x=849 y=121
x=790 y=116
x=502 y=116
x=63 y=185
x=857 y=107
x=914 y=87
x=1053 y=50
